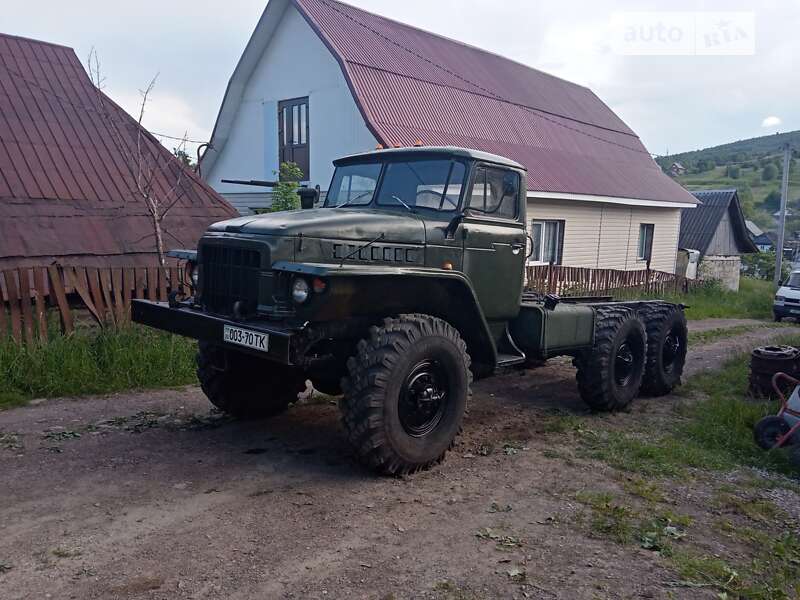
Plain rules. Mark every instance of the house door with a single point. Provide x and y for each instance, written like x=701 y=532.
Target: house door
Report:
x=293 y=134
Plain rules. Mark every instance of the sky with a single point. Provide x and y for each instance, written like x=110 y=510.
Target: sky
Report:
x=675 y=103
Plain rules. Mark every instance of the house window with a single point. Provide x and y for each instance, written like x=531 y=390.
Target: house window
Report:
x=495 y=193
x=293 y=134
x=548 y=242
x=646 y=231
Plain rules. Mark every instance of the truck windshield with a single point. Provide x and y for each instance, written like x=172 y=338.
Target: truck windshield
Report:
x=353 y=185
x=427 y=184
x=794 y=280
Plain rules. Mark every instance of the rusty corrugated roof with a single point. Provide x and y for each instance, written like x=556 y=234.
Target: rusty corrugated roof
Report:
x=66 y=187
x=412 y=85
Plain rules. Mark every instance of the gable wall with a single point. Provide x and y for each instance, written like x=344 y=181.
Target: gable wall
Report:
x=295 y=64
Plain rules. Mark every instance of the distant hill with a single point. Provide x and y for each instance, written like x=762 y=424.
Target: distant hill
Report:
x=738 y=151
x=752 y=166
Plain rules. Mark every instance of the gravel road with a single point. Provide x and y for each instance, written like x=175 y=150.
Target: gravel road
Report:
x=151 y=495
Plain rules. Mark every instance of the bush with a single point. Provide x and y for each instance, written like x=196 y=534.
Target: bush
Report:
x=769 y=173
x=285 y=196
x=761 y=265
x=732 y=171
x=95 y=362
x=711 y=301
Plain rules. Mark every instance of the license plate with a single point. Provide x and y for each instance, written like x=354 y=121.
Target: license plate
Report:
x=794 y=312
x=246 y=338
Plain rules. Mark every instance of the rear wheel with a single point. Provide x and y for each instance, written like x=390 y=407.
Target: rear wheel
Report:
x=406 y=393
x=245 y=386
x=610 y=373
x=667 y=342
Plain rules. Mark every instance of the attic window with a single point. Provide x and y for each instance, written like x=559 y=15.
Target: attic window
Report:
x=293 y=134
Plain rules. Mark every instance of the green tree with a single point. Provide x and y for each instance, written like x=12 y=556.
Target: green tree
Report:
x=184 y=157
x=284 y=196
x=732 y=171
x=770 y=172
x=772 y=201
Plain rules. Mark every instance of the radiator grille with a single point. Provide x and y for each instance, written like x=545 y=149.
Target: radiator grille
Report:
x=230 y=275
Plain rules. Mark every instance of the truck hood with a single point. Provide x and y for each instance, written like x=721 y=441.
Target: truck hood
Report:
x=341 y=223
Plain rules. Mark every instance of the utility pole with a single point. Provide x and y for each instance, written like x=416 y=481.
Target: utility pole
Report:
x=787 y=155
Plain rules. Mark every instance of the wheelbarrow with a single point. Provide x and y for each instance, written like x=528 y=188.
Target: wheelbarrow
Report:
x=781 y=430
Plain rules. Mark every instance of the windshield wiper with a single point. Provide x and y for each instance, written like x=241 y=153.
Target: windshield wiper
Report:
x=343 y=204
x=403 y=203
x=363 y=247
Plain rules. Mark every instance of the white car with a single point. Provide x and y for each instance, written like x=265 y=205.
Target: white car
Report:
x=787 y=298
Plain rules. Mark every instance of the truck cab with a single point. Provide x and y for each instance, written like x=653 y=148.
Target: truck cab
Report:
x=401 y=286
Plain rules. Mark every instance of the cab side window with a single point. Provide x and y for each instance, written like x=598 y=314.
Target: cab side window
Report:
x=495 y=193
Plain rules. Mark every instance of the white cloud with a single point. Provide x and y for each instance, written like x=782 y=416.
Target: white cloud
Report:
x=771 y=121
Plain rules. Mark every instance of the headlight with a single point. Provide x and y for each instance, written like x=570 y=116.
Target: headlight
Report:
x=192 y=272
x=300 y=290
x=779 y=299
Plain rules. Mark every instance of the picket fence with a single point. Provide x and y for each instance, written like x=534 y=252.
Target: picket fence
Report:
x=27 y=295
x=582 y=281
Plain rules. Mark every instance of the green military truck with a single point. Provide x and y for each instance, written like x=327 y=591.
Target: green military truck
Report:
x=400 y=289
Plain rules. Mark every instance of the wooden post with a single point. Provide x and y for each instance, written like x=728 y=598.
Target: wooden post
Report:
x=3 y=320
x=119 y=303
x=40 y=291
x=128 y=283
x=152 y=283
x=97 y=295
x=25 y=301
x=13 y=301
x=105 y=282
x=77 y=279
x=57 y=287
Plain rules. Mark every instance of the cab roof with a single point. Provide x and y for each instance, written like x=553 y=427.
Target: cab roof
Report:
x=429 y=151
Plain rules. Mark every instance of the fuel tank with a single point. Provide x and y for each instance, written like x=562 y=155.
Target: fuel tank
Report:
x=544 y=332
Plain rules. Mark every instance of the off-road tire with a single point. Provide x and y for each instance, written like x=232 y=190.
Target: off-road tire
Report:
x=378 y=377
x=769 y=430
x=246 y=387
x=664 y=366
x=597 y=374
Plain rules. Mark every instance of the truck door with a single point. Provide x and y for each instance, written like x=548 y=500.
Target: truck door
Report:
x=495 y=240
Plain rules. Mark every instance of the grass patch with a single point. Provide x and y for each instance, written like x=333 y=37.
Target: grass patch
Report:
x=772 y=574
x=94 y=362
x=714 y=433
x=610 y=519
x=710 y=336
x=711 y=301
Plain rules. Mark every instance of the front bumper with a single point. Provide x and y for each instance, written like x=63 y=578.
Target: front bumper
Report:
x=786 y=310
x=196 y=324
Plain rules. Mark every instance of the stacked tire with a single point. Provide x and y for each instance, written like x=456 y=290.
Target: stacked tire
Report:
x=768 y=360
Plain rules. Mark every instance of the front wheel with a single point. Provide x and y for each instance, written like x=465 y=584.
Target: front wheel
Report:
x=245 y=386
x=406 y=393
x=610 y=373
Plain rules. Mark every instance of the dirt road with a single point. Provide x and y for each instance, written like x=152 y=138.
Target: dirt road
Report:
x=149 y=495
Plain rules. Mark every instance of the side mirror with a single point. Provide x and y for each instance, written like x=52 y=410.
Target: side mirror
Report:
x=308 y=197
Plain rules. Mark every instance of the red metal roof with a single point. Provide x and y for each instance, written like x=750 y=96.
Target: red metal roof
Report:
x=66 y=188
x=412 y=85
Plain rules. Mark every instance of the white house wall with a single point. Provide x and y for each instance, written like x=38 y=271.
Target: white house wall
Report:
x=607 y=236
x=295 y=64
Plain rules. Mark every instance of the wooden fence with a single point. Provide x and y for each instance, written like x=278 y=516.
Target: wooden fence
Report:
x=28 y=294
x=581 y=281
